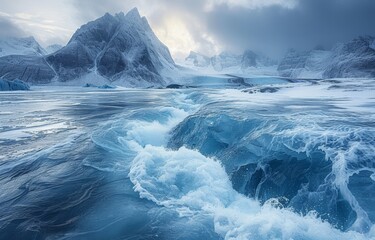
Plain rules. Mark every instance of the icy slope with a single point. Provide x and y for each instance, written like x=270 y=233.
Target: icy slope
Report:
x=20 y=46
x=198 y=60
x=248 y=62
x=352 y=59
x=116 y=47
x=121 y=49
x=225 y=60
x=31 y=69
x=308 y=64
x=53 y=48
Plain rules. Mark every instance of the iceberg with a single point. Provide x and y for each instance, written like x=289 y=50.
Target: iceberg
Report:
x=15 y=85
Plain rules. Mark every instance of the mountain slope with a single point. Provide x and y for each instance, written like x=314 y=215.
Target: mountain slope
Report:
x=53 y=48
x=225 y=61
x=353 y=59
x=115 y=47
x=306 y=64
x=121 y=49
x=198 y=60
x=20 y=46
x=32 y=69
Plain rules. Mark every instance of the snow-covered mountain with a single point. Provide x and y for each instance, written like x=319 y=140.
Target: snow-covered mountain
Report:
x=353 y=59
x=32 y=69
x=53 y=48
x=20 y=46
x=121 y=49
x=306 y=64
x=249 y=59
x=198 y=60
x=227 y=61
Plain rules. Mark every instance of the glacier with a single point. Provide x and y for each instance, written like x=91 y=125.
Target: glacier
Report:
x=203 y=163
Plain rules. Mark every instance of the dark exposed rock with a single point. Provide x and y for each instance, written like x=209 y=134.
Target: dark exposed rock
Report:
x=26 y=68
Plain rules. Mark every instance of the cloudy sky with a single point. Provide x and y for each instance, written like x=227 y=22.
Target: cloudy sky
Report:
x=206 y=26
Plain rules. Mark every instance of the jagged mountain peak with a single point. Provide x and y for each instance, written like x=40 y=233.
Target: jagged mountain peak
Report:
x=353 y=59
x=226 y=60
x=114 y=46
x=120 y=48
x=20 y=46
x=105 y=28
x=133 y=14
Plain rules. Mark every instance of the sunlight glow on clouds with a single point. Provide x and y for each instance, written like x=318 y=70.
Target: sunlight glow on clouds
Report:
x=176 y=36
x=205 y=26
x=175 y=23
x=48 y=21
x=251 y=4
x=175 y=33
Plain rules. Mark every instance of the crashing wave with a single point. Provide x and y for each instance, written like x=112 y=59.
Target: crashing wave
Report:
x=284 y=178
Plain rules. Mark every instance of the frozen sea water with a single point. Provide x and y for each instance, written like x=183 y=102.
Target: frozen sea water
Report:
x=80 y=163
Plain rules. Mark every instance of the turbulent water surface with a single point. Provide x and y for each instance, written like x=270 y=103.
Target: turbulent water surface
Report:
x=283 y=161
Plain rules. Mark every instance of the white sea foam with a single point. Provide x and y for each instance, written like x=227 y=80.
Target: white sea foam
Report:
x=191 y=183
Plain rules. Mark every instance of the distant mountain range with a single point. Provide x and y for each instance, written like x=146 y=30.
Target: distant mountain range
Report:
x=355 y=59
x=25 y=46
x=226 y=60
x=21 y=46
x=53 y=48
x=121 y=49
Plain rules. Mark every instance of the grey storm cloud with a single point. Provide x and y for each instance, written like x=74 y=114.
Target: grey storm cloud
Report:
x=270 y=26
x=87 y=10
x=310 y=23
x=9 y=29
